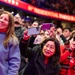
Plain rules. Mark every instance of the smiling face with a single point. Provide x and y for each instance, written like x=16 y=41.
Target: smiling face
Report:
x=46 y=34
x=49 y=49
x=66 y=33
x=52 y=32
x=4 y=21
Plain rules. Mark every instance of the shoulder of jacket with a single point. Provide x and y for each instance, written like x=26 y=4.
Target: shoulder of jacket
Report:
x=13 y=41
x=37 y=49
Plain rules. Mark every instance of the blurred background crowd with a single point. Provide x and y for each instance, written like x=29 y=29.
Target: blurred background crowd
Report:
x=27 y=18
x=63 y=31
x=63 y=6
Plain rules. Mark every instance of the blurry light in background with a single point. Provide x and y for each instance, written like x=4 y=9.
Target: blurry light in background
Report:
x=9 y=1
x=27 y=16
x=5 y=0
x=17 y=3
x=12 y=12
x=13 y=2
x=35 y=18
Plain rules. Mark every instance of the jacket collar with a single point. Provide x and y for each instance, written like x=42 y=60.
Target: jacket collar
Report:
x=49 y=69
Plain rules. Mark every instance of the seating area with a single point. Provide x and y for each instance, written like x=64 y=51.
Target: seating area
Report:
x=63 y=6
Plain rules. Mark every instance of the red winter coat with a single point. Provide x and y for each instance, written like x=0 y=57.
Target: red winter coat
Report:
x=67 y=62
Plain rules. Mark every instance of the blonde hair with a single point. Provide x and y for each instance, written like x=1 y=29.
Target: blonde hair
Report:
x=10 y=32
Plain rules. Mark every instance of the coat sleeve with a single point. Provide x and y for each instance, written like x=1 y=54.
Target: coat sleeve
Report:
x=23 y=47
x=64 y=54
x=13 y=60
x=25 y=50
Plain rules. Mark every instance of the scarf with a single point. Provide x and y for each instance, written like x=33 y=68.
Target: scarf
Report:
x=3 y=30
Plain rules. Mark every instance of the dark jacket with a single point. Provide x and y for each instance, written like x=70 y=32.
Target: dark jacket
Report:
x=31 y=41
x=36 y=64
x=19 y=32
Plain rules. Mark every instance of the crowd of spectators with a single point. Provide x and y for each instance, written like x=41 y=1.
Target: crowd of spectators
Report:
x=64 y=6
x=50 y=52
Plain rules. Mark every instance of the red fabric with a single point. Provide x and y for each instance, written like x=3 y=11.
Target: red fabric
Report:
x=3 y=30
x=26 y=37
x=46 y=60
x=64 y=53
x=33 y=2
x=69 y=63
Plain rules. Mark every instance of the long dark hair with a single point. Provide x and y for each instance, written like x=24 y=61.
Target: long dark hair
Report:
x=56 y=56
